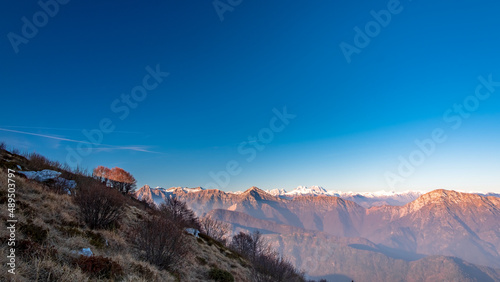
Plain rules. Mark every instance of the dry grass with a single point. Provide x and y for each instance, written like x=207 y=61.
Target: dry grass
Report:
x=57 y=214
x=67 y=234
x=214 y=255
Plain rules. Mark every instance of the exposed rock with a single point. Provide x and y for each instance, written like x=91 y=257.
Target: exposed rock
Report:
x=47 y=175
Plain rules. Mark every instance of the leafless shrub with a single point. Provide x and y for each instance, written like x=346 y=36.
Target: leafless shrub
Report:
x=250 y=245
x=268 y=265
x=81 y=171
x=59 y=185
x=274 y=267
x=161 y=242
x=179 y=213
x=216 y=229
x=100 y=206
x=39 y=162
x=3 y=146
x=78 y=174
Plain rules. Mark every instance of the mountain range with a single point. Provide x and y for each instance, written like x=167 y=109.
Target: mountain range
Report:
x=365 y=199
x=349 y=237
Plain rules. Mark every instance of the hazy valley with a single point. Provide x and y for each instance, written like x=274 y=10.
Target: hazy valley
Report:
x=452 y=235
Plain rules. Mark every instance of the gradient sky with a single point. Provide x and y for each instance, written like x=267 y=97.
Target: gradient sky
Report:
x=353 y=120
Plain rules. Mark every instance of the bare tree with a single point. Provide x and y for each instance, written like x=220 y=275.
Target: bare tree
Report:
x=250 y=245
x=216 y=229
x=179 y=212
x=100 y=206
x=161 y=242
x=274 y=267
x=268 y=265
x=259 y=245
x=241 y=243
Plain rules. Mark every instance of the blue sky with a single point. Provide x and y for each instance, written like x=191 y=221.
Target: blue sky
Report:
x=352 y=121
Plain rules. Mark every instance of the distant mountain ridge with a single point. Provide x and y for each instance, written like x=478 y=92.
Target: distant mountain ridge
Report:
x=365 y=199
x=438 y=223
x=158 y=195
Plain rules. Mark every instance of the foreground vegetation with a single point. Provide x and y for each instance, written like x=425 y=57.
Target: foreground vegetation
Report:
x=99 y=232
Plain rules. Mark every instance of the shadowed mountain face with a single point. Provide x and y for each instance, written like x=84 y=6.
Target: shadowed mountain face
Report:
x=439 y=223
x=341 y=259
x=381 y=200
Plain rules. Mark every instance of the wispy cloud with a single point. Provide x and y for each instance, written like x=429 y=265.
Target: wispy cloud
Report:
x=62 y=129
x=132 y=148
x=100 y=147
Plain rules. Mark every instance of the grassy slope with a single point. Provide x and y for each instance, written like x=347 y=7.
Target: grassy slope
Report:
x=39 y=209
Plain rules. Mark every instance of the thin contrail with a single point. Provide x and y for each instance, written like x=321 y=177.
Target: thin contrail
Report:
x=132 y=148
x=64 y=129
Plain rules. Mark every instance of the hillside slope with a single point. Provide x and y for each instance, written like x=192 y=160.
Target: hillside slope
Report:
x=438 y=223
x=52 y=240
x=441 y=222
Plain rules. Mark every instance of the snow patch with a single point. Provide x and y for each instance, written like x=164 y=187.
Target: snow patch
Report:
x=47 y=174
x=192 y=231
x=41 y=176
x=84 y=252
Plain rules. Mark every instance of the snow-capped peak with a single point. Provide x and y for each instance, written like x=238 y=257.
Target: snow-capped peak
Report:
x=185 y=189
x=299 y=191
x=365 y=199
x=276 y=192
x=313 y=190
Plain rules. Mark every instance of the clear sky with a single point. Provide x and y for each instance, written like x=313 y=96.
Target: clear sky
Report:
x=233 y=67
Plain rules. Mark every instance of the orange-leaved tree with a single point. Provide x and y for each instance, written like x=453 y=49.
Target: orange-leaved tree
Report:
x=121 y=180
x=101 y=173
